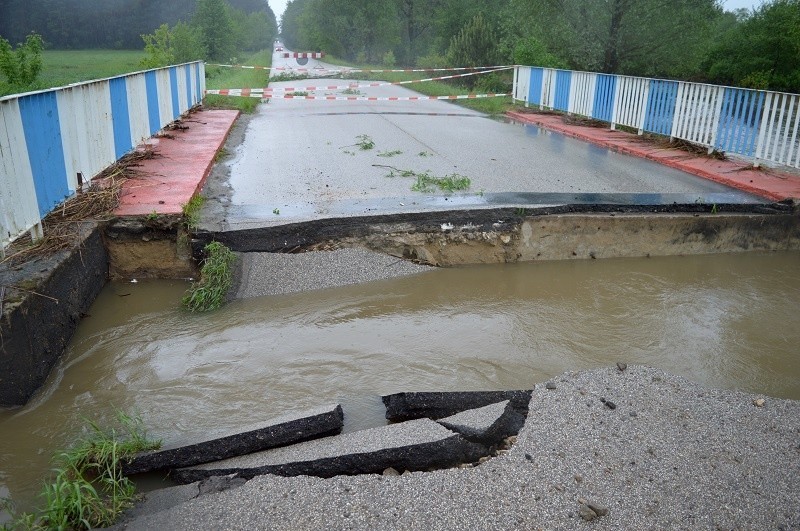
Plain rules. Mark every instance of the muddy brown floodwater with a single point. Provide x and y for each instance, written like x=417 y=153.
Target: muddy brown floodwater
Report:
x=728 y=321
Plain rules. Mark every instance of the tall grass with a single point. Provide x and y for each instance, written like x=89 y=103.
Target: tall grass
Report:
x=215 y=280
x=89 y=490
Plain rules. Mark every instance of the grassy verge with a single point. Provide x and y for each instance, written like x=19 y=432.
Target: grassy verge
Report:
x=497 y=105
x=222 y=77
x=215 y=280
x=89 y=490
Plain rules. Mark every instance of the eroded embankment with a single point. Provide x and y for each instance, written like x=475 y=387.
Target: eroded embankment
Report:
x=552 y=233
x=43 y=299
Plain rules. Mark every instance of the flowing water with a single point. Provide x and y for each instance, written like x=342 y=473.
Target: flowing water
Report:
x=726 y=320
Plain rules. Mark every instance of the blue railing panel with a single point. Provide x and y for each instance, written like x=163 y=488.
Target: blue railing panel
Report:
x=187 y=69
x=42 y=129
x=740 y=119
x=535 y=87
x=173 y=85
x=120 y=116
x=152 y=101
x=604 y=97
x=563 y=83
x=661 y=106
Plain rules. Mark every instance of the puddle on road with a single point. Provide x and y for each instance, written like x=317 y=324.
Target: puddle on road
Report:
x=726 y=320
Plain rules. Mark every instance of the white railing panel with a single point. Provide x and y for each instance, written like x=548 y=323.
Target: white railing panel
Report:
x=778 y=135
x=632 y=102
x=137 y=106
x=165 y=101
x=17 y=191
x=581 y=100
x=522 y=84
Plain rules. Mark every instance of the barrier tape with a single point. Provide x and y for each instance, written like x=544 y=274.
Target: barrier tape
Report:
x=348 y=70
x=258 y=93
x=273 y=90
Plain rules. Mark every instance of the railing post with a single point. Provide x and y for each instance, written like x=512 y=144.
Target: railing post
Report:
x=643 y=101
x=618 y=89
x=762 y=130
x=514 y=85
x=720 y=95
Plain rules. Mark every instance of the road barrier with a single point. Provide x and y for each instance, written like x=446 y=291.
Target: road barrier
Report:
x=759 y=124
x=304 y=55
x=53 y=141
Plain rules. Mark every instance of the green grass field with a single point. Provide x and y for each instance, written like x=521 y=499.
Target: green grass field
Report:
x=62 y=67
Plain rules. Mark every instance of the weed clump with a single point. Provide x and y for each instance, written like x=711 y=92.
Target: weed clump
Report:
x=191 y=211
x=215 y=280
x=89 y=489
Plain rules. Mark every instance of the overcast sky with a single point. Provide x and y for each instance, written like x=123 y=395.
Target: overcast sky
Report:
x=279 y=5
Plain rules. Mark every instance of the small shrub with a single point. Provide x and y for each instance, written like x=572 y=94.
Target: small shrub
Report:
x=388 y=59
x=492 y=83
x=21 y=67
x=215 y=280
x=191 y=211
x=433 y=60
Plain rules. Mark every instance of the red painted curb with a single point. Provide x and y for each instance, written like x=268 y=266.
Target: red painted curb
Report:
x=765 y=182
x=183 y=161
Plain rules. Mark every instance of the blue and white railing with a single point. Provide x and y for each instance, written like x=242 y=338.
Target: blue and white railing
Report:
x=758 y=124
x=53 y=140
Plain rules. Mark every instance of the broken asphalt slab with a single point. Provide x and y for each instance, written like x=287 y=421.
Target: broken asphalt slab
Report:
x=416 y=445
x=281 y=431
x=487 y=425
x=437 y=405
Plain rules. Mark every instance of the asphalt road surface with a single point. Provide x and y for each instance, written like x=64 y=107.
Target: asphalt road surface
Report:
x=305 y=159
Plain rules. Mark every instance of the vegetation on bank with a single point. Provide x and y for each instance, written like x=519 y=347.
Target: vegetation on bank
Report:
x=89 y=490
x=216 y=278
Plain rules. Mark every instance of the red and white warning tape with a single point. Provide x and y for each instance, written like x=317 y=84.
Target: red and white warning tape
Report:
x=348 y=70
x=252 y=93
x=272 y=90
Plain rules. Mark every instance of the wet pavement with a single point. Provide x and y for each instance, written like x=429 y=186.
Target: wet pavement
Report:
x=303 y=159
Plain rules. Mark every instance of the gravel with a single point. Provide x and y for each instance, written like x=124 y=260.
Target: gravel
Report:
x=690 y=458
x=276 y=273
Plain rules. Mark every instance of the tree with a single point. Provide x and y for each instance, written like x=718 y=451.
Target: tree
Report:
x=760 y=51
x=216 y=29
x=475 y=45
x=166 y=46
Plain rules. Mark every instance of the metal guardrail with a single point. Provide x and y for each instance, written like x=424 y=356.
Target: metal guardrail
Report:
x=762 y=125
x=52 y=140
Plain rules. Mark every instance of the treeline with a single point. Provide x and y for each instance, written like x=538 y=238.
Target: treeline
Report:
x=116 y=24
x=684 y=39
